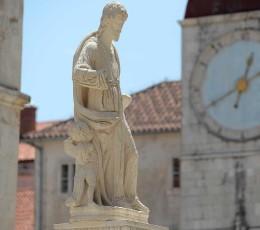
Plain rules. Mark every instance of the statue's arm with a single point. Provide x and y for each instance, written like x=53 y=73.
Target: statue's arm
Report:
x=83 y=74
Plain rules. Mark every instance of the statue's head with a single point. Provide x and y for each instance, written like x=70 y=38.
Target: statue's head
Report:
x=113 y=17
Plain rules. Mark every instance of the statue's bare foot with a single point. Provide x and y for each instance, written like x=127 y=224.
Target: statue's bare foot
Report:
x=138 y=205
x=92 y=204
x=72 y=202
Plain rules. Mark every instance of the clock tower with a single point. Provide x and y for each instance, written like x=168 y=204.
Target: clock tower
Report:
x=221 y=115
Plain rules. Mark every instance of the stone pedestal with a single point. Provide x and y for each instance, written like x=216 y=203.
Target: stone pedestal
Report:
x=105 y=225
x=102 y=217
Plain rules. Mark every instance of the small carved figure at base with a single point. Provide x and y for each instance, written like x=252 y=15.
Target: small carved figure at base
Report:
x=79 y=146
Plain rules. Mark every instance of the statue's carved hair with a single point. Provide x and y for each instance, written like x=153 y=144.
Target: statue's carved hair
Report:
x=111 y=10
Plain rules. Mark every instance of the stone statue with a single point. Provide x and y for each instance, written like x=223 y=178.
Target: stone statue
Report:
x=100 y=139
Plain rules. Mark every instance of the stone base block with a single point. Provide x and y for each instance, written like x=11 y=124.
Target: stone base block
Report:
x=105 y=213
x=107 y=225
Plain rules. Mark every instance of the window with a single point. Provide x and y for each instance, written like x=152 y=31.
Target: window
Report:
x=67 y=177
x=176 y=180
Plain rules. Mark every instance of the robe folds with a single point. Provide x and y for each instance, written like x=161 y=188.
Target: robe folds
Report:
x=98 y=102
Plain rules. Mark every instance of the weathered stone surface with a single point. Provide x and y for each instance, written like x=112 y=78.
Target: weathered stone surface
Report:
x=11 y=16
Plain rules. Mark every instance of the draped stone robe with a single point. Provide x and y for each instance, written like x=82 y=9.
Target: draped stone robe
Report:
x=98 y=102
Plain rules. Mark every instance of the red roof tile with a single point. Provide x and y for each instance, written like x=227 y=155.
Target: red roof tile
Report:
x=156 y=109
x=24 y=210
x=45 y=124
x=57 y=130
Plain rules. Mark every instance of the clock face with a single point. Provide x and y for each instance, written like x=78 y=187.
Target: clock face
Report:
x=225 y=86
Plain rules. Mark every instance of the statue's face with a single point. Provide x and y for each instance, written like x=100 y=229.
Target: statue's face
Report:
x=115 y=26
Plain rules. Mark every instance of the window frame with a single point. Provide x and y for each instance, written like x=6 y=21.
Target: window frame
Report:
x=176 y=173
x=69 y=177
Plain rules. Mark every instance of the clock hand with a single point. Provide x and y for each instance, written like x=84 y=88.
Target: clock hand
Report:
x=214 y=102
x=242 y=84
x=237 y=100
x=249 y=63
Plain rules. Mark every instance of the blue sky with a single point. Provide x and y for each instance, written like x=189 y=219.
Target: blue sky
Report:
x=149 y=48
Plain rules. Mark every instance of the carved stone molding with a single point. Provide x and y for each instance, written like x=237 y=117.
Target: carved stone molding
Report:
x=105 y=213
x=13 y=98
x=111 y=225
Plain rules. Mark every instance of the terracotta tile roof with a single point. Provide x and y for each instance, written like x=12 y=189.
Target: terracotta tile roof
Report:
x=26 y=152
x=24 y=210
x=156 y=109
x=58 y=130
x=45 y=124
